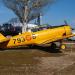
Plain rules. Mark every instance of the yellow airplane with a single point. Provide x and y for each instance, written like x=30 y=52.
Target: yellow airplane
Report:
x=41 y=37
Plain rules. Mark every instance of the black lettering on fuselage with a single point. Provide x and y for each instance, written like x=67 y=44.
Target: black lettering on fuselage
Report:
x=19 y=40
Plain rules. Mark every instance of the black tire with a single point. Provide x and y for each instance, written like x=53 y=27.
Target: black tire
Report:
x=55 y=47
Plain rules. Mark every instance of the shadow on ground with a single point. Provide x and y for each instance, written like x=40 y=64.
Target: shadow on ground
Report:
x=47 y=49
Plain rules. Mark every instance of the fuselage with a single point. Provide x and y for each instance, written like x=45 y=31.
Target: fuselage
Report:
x=39 y=37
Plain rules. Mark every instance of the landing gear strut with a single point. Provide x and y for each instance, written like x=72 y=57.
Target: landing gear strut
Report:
x=55 y=46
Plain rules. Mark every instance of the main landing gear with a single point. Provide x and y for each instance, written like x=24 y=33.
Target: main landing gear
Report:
x=57 y=46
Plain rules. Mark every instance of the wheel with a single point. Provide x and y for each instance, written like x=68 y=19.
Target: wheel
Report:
x=55 y=46
x=63 y=46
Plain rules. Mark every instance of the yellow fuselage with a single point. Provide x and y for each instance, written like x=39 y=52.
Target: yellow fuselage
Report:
x=39 y=37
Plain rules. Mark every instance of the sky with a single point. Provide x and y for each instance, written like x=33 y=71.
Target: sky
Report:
x=55 y=15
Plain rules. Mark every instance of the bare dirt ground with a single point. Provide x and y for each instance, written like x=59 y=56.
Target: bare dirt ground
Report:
x=37 y=61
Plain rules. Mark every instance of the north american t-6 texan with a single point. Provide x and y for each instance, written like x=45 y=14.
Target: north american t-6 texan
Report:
x=41 y=37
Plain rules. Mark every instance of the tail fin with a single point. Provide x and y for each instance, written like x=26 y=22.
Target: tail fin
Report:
x=2 y=38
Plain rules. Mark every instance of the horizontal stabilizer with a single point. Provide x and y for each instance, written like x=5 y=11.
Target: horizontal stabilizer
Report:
x=3 y=38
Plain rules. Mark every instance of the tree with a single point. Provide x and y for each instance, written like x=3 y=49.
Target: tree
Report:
x=27 y=10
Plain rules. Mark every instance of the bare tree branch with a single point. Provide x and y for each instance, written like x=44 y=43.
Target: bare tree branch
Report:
x=34 y=7
x=27 y=10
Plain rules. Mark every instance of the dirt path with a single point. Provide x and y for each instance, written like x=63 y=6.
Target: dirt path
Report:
x=36 y=62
